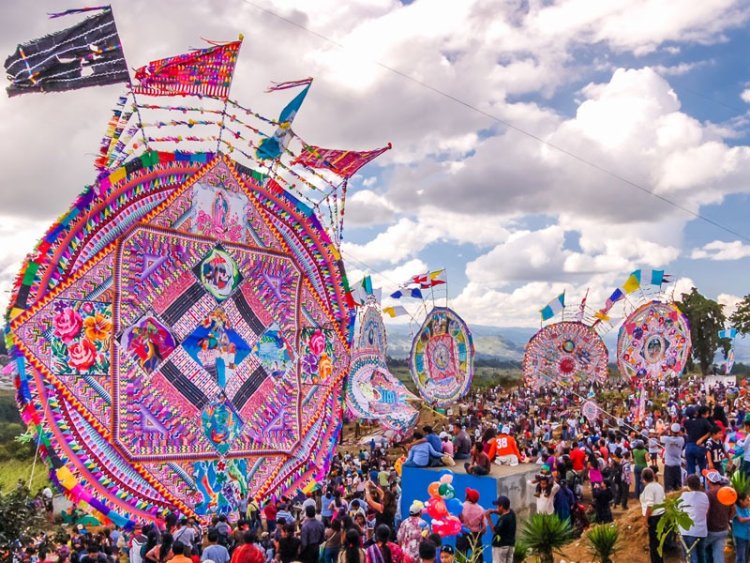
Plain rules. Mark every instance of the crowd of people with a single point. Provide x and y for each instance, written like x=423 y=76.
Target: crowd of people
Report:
x=638 y=447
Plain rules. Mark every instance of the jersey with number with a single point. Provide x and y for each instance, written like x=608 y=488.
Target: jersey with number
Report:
x=502 y=445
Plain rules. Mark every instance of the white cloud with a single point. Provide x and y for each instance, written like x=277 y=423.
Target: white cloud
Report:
x=745 y=95
x=722 y=250
x=730 y=303
x=365 y=207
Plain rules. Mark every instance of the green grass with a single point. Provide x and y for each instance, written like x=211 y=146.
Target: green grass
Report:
x=14 y=469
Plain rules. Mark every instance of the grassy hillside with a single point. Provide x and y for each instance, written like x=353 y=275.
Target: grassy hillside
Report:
x=12 y=470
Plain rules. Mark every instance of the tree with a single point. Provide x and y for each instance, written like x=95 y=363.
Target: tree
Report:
x=706 y=318
x=17 y=517
x=740 y=319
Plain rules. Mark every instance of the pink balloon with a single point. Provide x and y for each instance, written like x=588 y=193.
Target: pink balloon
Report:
x=436 y=508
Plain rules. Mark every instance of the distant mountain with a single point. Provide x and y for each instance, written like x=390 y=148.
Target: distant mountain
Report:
x=491 y=343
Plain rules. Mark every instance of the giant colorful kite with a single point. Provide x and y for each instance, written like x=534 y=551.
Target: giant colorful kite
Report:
x=372 y=393
x=442 y=357
x=181 y=334
x=654 y=342
x=563 y=353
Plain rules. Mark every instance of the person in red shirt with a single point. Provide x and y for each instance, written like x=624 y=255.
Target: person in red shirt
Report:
x=578 y=459
x=248 y=552
x=269 y=511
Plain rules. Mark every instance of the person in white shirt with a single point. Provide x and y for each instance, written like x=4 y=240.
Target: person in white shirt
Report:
x=652 y=495
x=695 y=504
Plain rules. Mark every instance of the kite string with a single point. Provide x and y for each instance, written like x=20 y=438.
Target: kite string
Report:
x=517 y=129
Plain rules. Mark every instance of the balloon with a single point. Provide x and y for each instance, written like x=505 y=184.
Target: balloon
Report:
x=449 y=526
x=447 y=477
x=455 y=506
x=447 y=491
x=727 y=496
x=436 y=508
x=434 y=489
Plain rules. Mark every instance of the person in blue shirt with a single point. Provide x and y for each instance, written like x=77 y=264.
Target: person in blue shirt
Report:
x=421 y=452
x=433 y=439
x=741 y=529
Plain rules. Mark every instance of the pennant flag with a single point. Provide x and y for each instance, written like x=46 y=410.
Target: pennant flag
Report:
x=553 y=307
x=643 y=277
x=87 y=54
x=362 y=291
x=202 y=72
x=367 y=285
x=632 y=283
x=396 y=311
x=582 y=307
x=616 y=296
x=340 y=162
x=414 y=292
x=273 y=147
x=730 y=333
x=419 y=279
x=438 y=277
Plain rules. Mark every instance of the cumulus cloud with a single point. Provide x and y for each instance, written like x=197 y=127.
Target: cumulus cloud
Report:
x=722 y=250
x=455 y=175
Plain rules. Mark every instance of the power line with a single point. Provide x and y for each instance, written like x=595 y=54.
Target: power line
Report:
x=558 y=148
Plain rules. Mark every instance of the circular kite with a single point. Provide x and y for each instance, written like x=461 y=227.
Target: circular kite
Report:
x=564 y=352
x=181 y=339
x=372 y=393
x=372 y=333
x=442 y=357
x=654 y=342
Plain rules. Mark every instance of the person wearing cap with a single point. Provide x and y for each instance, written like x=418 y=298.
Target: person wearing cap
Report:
x=673 y=444
x=652 y=495
x=410 y=533
x=695 y=503
x=503 y=448
x=472 y=517
x=718 y=518
x=503 y=530
x=447 y=553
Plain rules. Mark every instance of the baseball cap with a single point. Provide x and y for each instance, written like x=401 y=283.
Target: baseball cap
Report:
x=472 y=495
x=444 y=435
x=447 y=549
x=505 y=430
x=715 y=477
x=502 y=501
x=675 y=427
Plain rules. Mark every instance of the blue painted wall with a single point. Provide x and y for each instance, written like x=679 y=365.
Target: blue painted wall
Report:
x=414 y=483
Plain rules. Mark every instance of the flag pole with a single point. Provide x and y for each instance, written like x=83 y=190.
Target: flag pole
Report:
x=226 y=99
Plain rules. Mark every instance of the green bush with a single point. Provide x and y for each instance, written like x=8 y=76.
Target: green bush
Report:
x=545 y=534
x=603 y=541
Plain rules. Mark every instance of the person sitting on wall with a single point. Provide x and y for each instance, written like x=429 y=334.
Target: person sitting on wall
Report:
x=421 y=452
x=480 y=462
x=503 y=448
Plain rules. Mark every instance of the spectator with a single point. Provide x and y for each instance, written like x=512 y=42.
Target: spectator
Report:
x=652 y=495
x=480 y=462
x=718 y=519
x=695 y=504
x=503 y=531
x=213 y=551
x=698 y=430
x=673 y=445
x=179 y=549
x=741 y=529
x=352 y=552
x=311 y=536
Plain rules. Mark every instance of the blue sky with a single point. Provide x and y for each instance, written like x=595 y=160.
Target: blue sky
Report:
x=654 y=92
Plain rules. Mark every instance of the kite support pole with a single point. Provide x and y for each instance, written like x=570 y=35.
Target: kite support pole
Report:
x=33 y=465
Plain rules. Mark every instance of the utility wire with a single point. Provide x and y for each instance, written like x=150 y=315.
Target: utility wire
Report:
x=558 y=148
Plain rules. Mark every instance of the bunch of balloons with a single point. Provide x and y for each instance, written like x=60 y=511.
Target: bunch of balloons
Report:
x=443 y=506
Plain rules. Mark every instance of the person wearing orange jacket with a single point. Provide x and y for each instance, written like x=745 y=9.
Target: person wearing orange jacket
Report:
x=503 y=448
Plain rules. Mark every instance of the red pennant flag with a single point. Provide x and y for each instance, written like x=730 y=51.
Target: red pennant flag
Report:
x=343 y=163
x=203 y=72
